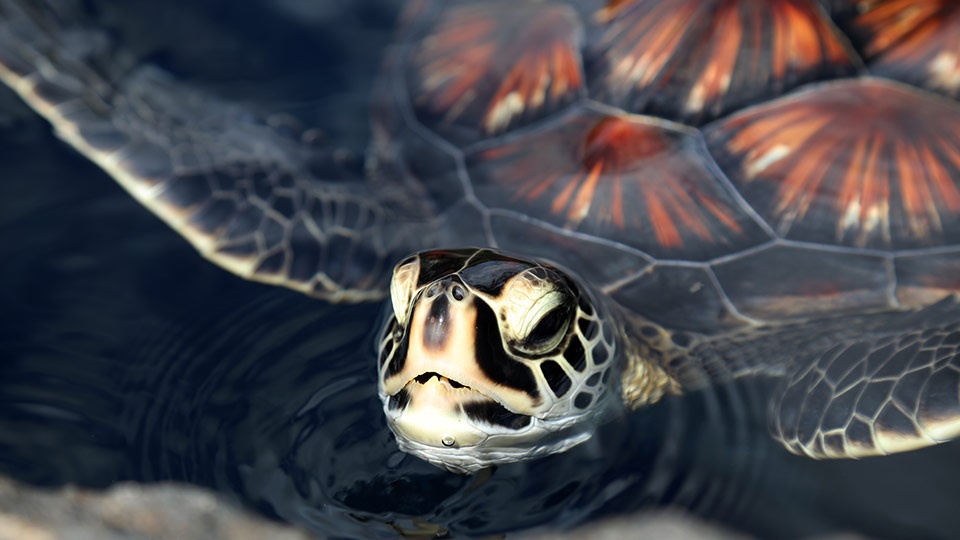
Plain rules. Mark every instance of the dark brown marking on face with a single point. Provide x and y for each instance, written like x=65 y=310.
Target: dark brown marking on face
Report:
x=407 y=261
x=681 y=339
x=494 y=361
x=599 y=354
x=400 y=400
x=588 y=328
x=400 y=357
x=494 y=413
x=556 y=378
x=575 y=355
x=389 y=345
x=583 y=400
x=585 y=306
x=437 y=324
x=437 y=264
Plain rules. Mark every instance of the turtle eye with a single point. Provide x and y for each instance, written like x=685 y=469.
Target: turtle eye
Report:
x=544 y=324
x=402 y=286
x=551 y=326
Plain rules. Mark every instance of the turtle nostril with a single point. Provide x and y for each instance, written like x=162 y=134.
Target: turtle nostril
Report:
x=458 y=293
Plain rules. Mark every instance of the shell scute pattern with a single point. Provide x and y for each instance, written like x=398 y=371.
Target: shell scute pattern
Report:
x=913 y=41
x=695 y=60
x=613 y=176
x=923 y=278
x=796 y=280
x=533 y=55
x=862 y=162
x=723 y=186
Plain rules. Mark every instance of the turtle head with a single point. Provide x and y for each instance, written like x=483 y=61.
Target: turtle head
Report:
x=488 y=358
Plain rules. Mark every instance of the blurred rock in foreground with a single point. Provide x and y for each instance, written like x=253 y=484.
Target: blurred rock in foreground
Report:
x=667 y=525
x=128 y=511
x=176 y=511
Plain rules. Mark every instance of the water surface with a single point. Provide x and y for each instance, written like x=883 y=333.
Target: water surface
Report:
x=125 y=356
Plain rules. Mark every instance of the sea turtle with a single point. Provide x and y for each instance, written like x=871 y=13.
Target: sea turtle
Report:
x=586 y=205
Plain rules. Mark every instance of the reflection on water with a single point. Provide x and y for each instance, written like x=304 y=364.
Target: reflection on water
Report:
x=124 y=356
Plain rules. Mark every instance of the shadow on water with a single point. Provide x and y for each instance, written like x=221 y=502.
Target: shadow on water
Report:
x=124 y=356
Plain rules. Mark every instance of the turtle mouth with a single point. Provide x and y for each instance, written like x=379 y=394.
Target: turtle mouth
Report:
x=433 y=389
x=424 y=377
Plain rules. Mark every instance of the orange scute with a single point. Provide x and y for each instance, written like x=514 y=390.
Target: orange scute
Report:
x=624 y=177
x=485 y=70
x=917 y=41
x=875 y=159
x=620 y=143
x=697 y=59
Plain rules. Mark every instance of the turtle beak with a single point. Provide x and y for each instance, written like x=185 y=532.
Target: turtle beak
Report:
x=441 y=391
x=432 y=412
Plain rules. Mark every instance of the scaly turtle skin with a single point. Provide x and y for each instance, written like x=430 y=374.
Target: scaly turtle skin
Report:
x=658 y=195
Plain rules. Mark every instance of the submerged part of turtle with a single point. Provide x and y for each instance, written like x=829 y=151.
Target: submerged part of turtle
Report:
x=697 y=191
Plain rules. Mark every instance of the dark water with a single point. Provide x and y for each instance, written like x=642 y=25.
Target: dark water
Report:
x=124 y=356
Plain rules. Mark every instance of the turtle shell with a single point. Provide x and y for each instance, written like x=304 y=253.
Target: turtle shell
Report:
x=708 y=163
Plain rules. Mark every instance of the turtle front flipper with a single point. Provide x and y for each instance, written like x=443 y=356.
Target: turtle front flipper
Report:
x=248 y=196
x=885 y=391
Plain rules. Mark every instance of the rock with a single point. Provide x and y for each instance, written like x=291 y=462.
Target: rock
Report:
x=662 y=525
x=171 y=511
x=127 y=512
x=665 y=525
